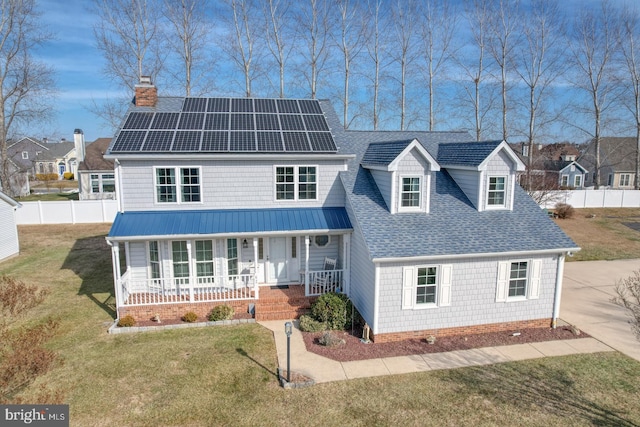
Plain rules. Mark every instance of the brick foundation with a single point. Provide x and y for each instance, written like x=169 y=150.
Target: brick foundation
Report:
x=176 y=311
x=464 y=330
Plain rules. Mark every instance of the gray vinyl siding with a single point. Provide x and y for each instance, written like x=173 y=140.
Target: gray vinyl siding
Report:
x=499 y=165
x=229 y=184
x=473 y=297
x=362 y=279
x=8 y=231
x=572 y=176
x=383 y=181
x=469 y=183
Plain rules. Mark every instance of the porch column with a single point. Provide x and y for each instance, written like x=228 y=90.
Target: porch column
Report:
x=255 y=267
x=115 y=261
x=192 y=277
x=306 y=265
x=346 y=262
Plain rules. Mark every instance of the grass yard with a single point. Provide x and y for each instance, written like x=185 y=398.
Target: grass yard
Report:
x=226 y=375
x=602 y=233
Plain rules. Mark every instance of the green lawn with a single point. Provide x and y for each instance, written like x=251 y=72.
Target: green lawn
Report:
x=226 y=375
x=50 y=197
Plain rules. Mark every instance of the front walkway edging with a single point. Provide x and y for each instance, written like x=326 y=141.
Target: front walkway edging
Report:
x=115 y=329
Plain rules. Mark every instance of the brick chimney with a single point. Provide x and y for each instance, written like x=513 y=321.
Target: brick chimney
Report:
x=146 y=93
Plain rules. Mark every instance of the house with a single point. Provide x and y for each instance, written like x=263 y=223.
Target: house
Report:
x=41 y=157
x=9 y=244
x=223 y=199
x=96 y=178
x=18 y=180
x=565 y=173
x=617 y=162
x=553 y=166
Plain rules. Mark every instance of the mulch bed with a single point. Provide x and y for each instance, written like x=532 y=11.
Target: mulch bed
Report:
x=355 y=349
x=176 y=321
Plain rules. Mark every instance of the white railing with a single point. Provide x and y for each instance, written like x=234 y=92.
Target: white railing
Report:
x=321 y=282
x=188 y=289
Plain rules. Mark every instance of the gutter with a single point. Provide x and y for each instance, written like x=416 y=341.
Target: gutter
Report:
x=225 y=235
x=511 y=254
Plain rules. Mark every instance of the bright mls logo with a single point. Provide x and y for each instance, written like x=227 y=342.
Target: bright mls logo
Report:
x=35 y=415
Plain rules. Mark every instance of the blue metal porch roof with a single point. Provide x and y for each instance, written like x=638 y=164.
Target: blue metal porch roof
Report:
x=232 y=221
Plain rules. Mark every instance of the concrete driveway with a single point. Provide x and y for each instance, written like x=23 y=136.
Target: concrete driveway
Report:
x=587 y=290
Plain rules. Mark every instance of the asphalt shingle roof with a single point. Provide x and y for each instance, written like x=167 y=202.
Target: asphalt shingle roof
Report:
x=383 y=153
x=466 y=154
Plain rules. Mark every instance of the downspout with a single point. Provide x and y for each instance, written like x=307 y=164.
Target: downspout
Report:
x=115 y=261
x=119 y=194
x=376 y=291
x=556 y=300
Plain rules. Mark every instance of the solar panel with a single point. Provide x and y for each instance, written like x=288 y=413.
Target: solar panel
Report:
x=291 y=122
x=158 y=140
x=242 y=141
x=265 y=105
x=215 y=141
x=242 y=122
x=296 y=141
x=270 y=141
x=322 y=141
x=267 y=122
x=165 y=121
x=129 y=140
x=195 y=104
x=315 y=122
x=192 y=121
x=187 y=140
x=217 y=121
x=309 y=106
x=218 y=105
x=288 y=106
x=138 y=121
x=241 y=105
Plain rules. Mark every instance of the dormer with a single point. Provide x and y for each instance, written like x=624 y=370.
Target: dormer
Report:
x=485 y=171
x=402 y=172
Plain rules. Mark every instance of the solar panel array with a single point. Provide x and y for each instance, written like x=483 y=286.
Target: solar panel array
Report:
x=229 y=125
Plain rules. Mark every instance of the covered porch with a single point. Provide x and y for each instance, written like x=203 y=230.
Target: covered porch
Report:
x=227 y=264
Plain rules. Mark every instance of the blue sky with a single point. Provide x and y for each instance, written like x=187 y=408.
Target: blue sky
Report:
x=79 y=64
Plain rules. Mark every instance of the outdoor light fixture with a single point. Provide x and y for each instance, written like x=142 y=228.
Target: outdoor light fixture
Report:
x=288 y=329
x=245 y=244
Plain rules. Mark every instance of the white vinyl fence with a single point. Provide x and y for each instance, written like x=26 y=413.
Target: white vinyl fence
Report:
x=607 y=198
x=67 y=212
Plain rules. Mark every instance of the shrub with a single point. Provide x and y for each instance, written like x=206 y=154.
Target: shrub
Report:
x=68 y=176
x=331 y=309
x=47 y=176
x=127 y=321
x=221 y=312
x=309 y=324
x=564 y=211
x=190 y=317
x=17 y=297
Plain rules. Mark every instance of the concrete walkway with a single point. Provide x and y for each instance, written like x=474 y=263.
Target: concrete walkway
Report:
x=586 y=302
x=324 y=370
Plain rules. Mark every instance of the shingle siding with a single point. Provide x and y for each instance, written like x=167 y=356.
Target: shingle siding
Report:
x=500 y=165
x=383 y=181
x=469 y=183
x=473 y=297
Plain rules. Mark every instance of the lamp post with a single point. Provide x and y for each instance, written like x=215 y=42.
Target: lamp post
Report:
x=288 y=329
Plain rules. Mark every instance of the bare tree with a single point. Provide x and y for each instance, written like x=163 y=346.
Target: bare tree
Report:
x=502 y=40
x=188 y=39
x=375 y=45
x=629 y=41
x=25 y=83
x=540 y=63
x=438 y=28
x=628 y=297
x=592 y=50
x=277 y=34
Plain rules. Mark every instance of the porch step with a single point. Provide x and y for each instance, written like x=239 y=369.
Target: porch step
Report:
x=280 y=315
x=272 y=310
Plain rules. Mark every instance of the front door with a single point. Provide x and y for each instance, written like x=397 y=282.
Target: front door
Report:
x=277 y=259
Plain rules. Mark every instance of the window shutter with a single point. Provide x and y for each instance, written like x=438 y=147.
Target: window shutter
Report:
x=503 y=281
x=408 y=287
x=446 y=273
x=534 y=282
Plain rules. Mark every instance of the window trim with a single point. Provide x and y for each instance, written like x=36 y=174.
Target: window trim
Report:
x=421 y=180
x=177 y=170
x=532 y=287
x=296 y=183
x=627 y=179
x=444 y=275
x=577 y=178
x=25 y=155
x=321 y=235
x=504 y=192
x=101 y=182
x=564 y=180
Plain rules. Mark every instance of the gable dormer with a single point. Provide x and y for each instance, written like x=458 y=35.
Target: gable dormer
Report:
x=485 y=171
x=402 y=172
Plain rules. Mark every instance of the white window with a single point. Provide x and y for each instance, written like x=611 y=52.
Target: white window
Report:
x=103 y=183
x=154 y=260
x=25 y=155
x=232 y=256
x=426 y=286
x=322 y=240
x=180 y=257
x=577 y=182
x=170 y=190
x=410 y=191
x=565 y=181
x=296 y=183
x=625 y=180
x=204 y=261
x=518 y=280
x=496 y=194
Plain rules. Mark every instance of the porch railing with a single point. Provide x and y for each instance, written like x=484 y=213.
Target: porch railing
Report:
x=187 y=289
x=323 y=281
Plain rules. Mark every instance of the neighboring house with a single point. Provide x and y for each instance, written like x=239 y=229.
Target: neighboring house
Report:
x=428 y=233
x=19 y=181
x=38 y=157
x=565 y=173
x=9 y=244
x=96 y=177
x=553 y=166
x=617 y=162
